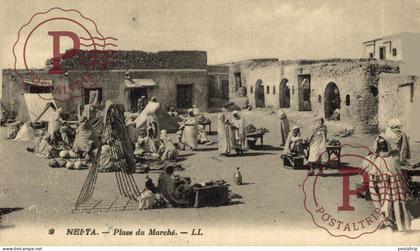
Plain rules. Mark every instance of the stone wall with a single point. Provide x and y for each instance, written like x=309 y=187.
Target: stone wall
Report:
x=218 y=76
x=399 y=97
x=271 y=75
x=242 y=68
x=112 y=84
x=356 y=80
x=123 y=60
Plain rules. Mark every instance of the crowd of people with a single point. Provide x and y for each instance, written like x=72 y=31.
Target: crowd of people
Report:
x=387 y=185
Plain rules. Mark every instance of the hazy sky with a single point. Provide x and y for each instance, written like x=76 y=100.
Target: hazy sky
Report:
x=228 y=30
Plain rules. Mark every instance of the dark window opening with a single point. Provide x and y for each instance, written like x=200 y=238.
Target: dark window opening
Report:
x=347 y=100
x=135 y=95
x=382 y=53
x=238 y=80
x=184 y=96
x=284 y=94
x=225 y=89
x=251 y=90
x=212 y=86
x=92 y=96
x=39 y=89
x=274 y=90
x=319 y=99
x=332 y=102
x=371 y=55
x=259 y=94
x=394 y=52
x=374 y=91
x=304 y=92
x=268 y=89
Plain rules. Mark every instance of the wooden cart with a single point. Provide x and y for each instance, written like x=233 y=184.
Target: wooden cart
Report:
x=254 y=136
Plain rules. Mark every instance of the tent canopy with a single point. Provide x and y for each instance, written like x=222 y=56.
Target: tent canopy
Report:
x=36 y=104
x=41 y=82
x=139 y=83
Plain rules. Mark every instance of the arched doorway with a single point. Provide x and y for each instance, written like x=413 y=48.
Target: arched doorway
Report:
x=259 y=94
x=284 y=94
x=332 y=101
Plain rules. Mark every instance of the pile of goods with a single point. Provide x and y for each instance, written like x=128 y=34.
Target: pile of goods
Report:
x=67 y=159
x=203 y=120
x=240 y=92
x=251 y=129
x=344 y=132
x=211 y=194
x=145 y=165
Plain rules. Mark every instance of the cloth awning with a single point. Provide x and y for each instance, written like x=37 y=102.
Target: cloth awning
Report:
x=38 y=106
x=40 y=82
x=139 y=83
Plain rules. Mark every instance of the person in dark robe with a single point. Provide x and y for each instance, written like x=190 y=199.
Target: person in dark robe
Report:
x=141 y=104
x=387 y=185
x=175 y=190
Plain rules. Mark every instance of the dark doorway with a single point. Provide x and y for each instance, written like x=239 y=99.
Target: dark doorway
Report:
x=184 y=96
x=238 y=80
x=259 y=94
x=135 y=95
x=332 y=100
x=284 y=94
x=304 y=92
x=225 y=89
x=39 y=88
x=382 y=53
x=92 y=96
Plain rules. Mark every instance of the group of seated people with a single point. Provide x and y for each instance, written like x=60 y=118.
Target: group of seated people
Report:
x=82 y=141
x=162 y=147
x=314 y=148
x=191 y=133
x=171 y=191
x=384 y=180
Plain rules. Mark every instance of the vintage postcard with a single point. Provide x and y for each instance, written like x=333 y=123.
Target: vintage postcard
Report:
x=224 y=122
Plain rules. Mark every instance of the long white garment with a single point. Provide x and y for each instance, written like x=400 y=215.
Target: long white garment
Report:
x=223 y=135
x=387 y=185
x=54 y=123
x=318 y=145
x=190 y=134
x=26 y=133
x=239 y=133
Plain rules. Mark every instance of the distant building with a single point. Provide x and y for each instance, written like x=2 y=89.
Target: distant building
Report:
x=321 y=86
x=218 y=82
x=175 y=78
x=400 y=98
x=403 y=47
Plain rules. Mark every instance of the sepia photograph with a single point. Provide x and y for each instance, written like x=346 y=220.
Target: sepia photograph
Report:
x=210 y=123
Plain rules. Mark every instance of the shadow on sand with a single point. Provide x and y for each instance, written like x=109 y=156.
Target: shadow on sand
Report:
x=266 y=148
x=414 y=207
x=8 y=210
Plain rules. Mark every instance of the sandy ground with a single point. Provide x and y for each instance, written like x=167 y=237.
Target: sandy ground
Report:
x=270 y=212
